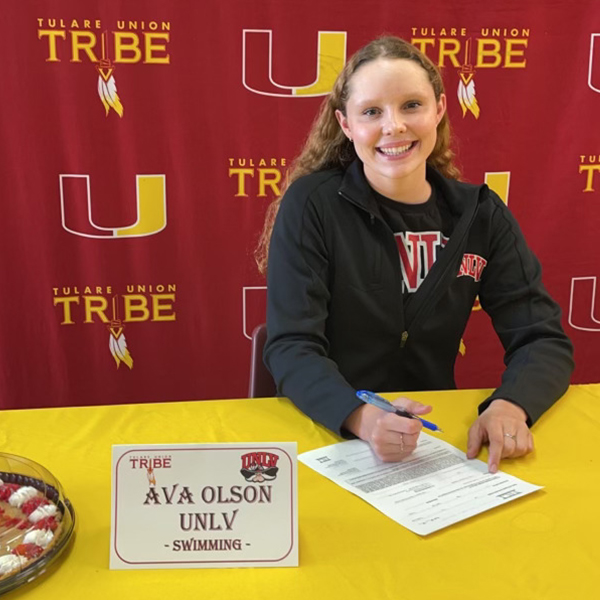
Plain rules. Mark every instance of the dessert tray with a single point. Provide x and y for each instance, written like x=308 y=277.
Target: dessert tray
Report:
x=37 y=521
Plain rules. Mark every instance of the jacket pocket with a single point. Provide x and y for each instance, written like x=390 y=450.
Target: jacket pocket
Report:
x=362 y=272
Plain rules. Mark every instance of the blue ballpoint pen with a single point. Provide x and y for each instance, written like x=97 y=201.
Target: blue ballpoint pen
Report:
x=379 y=402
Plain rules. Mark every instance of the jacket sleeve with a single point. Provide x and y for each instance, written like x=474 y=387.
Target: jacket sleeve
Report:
x=538 y=354
x=296 y=351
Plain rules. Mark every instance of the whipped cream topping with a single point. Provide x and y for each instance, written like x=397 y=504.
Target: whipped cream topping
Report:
x=39 y=537
x=47 y=510
x=22 y=495
x=10 y=562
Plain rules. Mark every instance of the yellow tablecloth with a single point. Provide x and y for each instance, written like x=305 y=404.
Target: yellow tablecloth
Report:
x=543 y=546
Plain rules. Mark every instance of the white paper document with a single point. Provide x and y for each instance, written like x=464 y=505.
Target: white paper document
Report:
x=432 y=488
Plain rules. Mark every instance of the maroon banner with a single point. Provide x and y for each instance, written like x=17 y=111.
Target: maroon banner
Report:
x=141 y=143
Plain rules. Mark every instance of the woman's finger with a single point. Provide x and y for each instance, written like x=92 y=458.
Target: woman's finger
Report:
x=411 y=406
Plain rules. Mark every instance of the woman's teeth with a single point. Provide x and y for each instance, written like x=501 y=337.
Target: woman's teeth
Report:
x=397 y=151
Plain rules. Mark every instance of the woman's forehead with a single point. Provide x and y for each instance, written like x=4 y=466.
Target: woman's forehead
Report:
x=386 y=77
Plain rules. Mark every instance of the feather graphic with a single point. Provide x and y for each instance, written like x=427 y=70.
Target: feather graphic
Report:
x=466 y=85
x=466 y=95
x=107 y=86
x=107 y=90
x=117 y=342
x=118 y=347
x=151 y=478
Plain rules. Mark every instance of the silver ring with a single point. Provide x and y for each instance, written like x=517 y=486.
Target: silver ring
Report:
x=511 y=436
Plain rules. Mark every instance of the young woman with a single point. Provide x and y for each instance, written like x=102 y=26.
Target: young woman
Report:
x=376 y=254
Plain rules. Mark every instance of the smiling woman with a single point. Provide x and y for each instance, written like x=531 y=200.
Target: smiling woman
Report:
x=391 y=116
x=366 y=285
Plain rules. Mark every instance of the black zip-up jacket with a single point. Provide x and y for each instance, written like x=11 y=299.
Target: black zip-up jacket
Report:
x=337 y=322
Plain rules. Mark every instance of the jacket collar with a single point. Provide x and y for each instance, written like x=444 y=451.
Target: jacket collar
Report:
x=356 y=188
x=459 y=196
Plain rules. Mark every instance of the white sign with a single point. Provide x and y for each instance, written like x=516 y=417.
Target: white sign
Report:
x=188 y=506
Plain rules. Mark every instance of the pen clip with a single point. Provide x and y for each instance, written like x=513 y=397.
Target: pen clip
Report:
x=375 y=400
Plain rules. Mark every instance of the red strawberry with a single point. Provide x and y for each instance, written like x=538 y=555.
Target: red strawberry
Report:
x=28 y=550
x=16 y=522
x=33 y=503
x=47 y=523
x=6 y=490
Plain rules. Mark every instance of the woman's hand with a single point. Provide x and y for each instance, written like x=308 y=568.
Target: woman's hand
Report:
x=503 y=425
x=392 y=437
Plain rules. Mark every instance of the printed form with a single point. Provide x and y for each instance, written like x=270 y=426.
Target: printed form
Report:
x=432 y=488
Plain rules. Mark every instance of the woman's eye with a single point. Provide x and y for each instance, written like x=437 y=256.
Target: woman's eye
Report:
x=413 y=104
x=371 y=112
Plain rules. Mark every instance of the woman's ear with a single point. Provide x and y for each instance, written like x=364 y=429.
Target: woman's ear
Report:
x=441 y=108
x=343 y=121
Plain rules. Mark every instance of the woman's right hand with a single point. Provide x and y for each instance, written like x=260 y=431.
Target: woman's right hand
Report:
x=391 y=436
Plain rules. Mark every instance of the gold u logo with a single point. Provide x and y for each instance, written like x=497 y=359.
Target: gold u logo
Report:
x=257 y=64
x=151 y=200
x=582 y=304
x=499 y=182
x=593 y=71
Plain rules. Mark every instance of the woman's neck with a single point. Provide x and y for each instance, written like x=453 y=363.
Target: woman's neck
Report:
x=411 y=189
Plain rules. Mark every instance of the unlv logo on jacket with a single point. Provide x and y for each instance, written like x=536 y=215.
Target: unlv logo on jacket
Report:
x=418 y=251
x=257 y=64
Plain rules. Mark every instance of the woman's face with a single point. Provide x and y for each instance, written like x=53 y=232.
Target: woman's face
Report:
x=391 y=116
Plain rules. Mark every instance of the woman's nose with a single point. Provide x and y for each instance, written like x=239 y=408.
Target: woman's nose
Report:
x=394 y=123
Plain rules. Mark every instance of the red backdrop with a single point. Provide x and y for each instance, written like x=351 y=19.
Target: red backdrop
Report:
x=142 y=141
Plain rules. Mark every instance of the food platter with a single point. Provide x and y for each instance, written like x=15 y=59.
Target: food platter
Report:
x=37 y=521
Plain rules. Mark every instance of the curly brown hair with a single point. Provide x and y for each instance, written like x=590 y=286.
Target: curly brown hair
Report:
x=327 y=147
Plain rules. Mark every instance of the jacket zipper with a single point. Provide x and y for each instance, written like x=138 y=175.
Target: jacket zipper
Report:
x=403 y=338
x=432 y=295
x=372 y=217
x=425 y=305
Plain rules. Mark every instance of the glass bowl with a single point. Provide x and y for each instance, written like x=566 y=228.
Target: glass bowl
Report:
x=24 y=472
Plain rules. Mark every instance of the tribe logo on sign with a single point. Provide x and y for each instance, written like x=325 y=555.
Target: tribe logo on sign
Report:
x=76 y=208
x=257 y=175
x=150 y=463
x=259 y=466
x=90 y=41
x=491 y=48
x=90 y=305
x=589 y=165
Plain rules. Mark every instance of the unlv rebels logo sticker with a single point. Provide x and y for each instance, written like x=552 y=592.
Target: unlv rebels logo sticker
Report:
x=259 y=466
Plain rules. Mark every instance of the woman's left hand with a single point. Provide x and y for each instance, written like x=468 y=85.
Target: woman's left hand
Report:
x=504 y=426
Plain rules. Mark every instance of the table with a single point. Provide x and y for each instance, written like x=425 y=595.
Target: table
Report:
x=542 y=546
